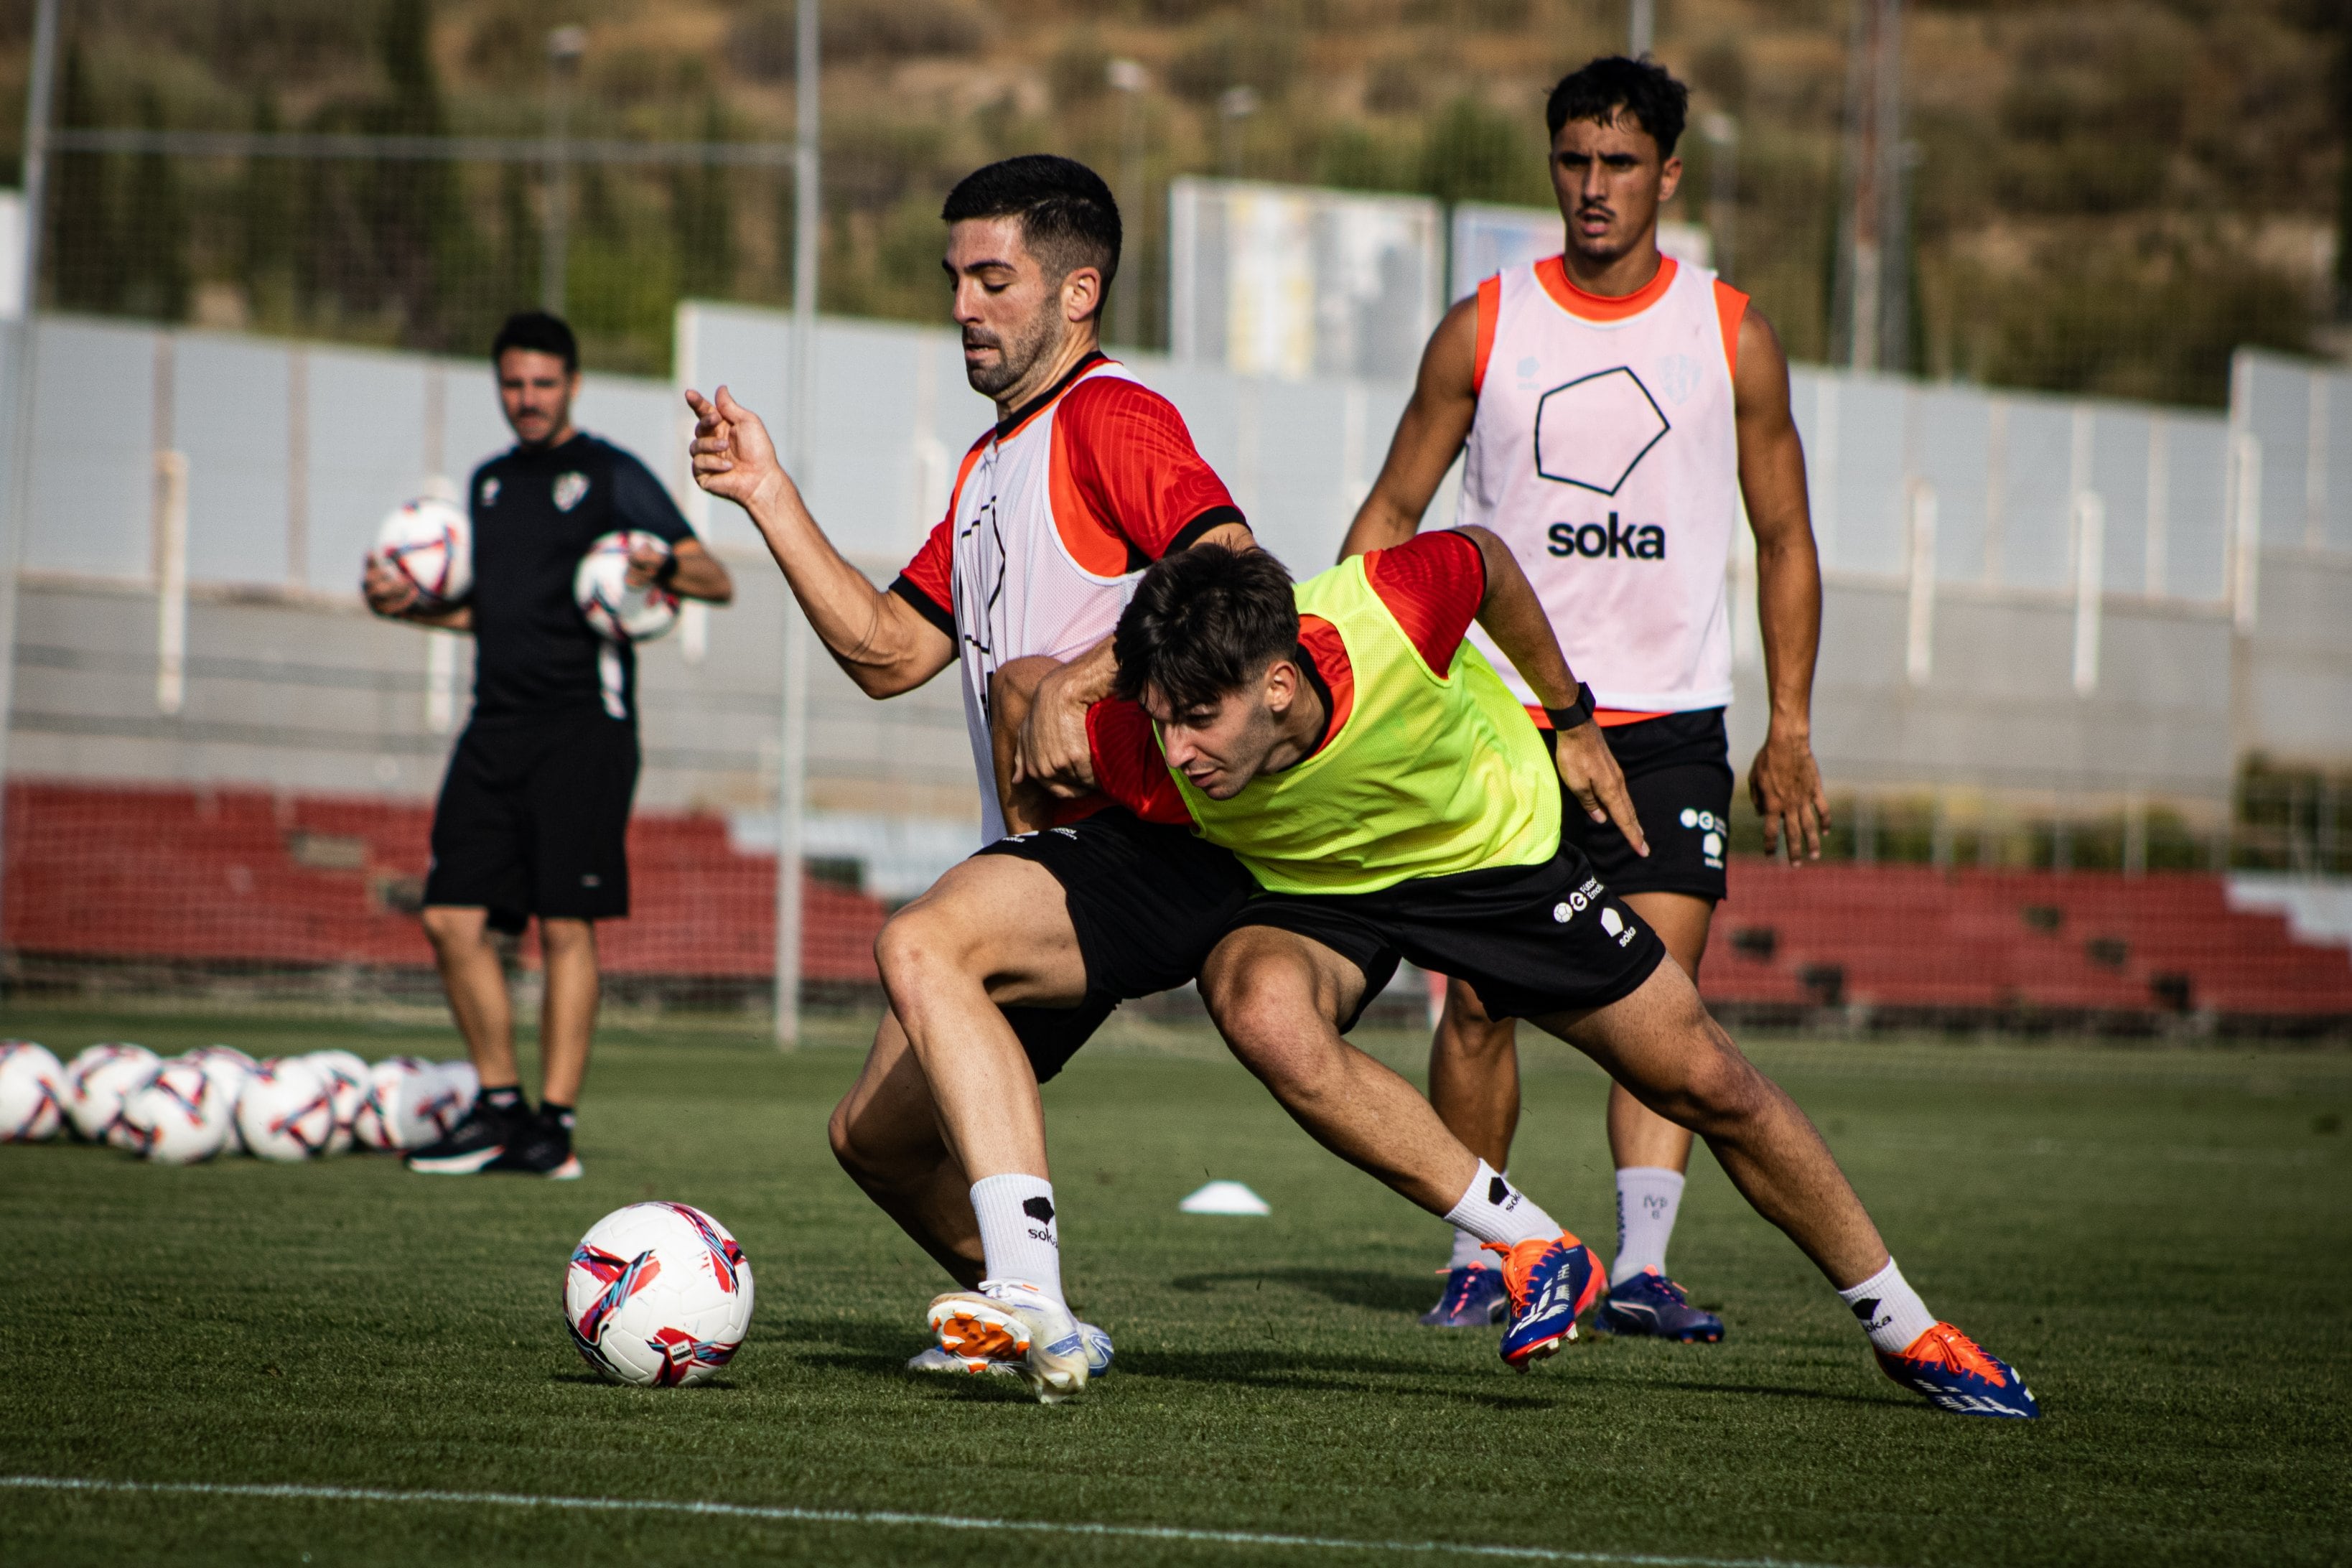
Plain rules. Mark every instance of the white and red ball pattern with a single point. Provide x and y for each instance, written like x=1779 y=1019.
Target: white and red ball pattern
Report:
x=98 y=1081
x=430 y=542
x=376 y=1125
x=347 y=1087
x=618 y=613
x=431 y=1100
x=180 y=1116
x=286 y=1110
x=32 y=1093
x=659 y=1295
x=228 y=1067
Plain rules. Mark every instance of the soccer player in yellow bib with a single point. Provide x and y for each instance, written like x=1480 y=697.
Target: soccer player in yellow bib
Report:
x=1394 y=800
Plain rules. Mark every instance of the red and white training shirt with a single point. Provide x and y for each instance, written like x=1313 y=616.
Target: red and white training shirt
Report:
x=1605 y=454
x=1433 y=584
x=1055 y=514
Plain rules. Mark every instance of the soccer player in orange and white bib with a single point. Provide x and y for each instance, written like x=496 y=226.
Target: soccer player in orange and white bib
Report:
x=1086 y=479
x=1616 y=406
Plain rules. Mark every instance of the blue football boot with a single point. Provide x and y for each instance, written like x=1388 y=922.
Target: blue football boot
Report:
x=1474 y=1298
x=1650 y=1303
x=1960 y=1376
x=1550 y=1283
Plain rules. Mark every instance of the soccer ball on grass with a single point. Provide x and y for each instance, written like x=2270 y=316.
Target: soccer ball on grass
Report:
x=286 y=1110
x=659 y=1295
x=32 y=1093
x=180 y=1116
x=97 y=1082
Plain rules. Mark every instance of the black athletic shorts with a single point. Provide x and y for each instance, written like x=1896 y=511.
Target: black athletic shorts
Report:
x=1533 y=940
x=533 y=820
x=1148 y=901
x=1678 y=771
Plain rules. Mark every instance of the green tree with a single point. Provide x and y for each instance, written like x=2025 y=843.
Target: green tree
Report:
x=89 y=260
x=702 y=214
x=267 y=244
x=1472 y=154
x=156 y=231
x=413 y=206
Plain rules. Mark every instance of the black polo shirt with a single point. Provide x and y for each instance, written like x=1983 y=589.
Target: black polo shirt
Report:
x=535 y=514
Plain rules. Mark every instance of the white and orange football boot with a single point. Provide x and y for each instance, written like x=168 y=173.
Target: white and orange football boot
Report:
x=1011 y=1326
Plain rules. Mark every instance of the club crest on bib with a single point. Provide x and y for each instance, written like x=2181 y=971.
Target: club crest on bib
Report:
x=490 y=491
x=569 y=490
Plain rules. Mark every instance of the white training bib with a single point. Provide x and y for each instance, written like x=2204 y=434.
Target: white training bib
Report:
x=1019 y=591
x=1604 y=453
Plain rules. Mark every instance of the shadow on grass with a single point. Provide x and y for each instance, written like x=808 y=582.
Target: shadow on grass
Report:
x=1375 y=1291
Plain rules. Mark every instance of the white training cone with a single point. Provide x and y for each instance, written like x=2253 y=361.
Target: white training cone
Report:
x=1224 y=1198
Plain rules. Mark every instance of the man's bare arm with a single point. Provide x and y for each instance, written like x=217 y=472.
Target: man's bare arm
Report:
x=1515 y=618
x=1784 y=783
x=882 y=642
x=1054 y=751
x=1012 y=692
x=1429 y=437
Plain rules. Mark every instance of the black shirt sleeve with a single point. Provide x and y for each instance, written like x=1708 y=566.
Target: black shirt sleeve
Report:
x=640 y=501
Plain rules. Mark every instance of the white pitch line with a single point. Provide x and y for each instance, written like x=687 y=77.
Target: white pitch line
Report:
x=849 y=1516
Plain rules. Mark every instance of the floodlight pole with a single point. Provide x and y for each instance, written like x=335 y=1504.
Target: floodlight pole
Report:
x=1640 y=26
x=791 y=751
x=16 y=486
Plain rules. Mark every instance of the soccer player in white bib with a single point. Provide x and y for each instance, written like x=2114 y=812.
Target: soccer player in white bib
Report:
x=1086 y=478
x=1617 y=407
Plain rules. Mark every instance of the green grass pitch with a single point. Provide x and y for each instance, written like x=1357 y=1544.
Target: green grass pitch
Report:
x=2161 y=1238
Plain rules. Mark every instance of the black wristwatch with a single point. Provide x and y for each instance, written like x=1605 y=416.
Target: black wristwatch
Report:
x=1578 y=714
x=667 y=573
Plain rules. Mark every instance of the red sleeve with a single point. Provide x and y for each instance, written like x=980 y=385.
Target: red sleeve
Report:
x=929 y=581
x=1128 y=766
x=1433 y=584
x=1128 y=486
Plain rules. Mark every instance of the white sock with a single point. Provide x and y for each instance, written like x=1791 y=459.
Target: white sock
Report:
x=1469 y=1252
x=1648 y=1198
x=1494 y=1210
x=1018 y=1232
x=1889 y=1311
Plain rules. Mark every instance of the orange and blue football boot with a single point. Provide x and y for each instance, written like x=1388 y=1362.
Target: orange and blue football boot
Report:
x=1650 y=1303
x=1958 y=1374
x=1550 y=1283
x=1473 y=1298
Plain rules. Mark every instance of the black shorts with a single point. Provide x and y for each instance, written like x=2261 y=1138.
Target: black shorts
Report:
x=533 y=820
x=1147 y=902
x=1533 y=940
x=1678 y=771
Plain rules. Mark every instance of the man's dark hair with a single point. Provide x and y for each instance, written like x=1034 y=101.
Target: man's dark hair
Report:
x=538 y=332
x=1068 y=218
x=1204 y=622
x=1599 y=90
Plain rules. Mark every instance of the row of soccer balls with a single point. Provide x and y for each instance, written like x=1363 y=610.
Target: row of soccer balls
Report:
x=217 y=1100
x=430 y=542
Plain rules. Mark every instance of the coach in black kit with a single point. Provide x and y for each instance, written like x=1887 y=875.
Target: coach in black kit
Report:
x=535 y=807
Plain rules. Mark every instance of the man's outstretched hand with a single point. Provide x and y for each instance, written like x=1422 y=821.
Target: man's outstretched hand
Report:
x=734 y=458
x=1785 y=785
x=1588 y=768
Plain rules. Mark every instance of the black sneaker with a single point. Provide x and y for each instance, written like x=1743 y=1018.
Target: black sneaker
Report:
x=480 y=1137
x=540 y=1146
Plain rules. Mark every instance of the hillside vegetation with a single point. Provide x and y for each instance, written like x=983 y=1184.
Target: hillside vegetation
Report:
x=2108 y=196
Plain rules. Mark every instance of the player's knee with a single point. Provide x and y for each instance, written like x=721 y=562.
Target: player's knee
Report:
x=447 y=927
x=1467 y=1031
x=1267 y=1015
x=912 y=943
x=1721 y=1088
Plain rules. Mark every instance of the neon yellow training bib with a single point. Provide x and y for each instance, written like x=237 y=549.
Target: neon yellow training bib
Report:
x=1430 y=776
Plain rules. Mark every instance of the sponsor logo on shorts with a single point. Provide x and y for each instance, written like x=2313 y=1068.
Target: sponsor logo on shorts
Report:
x=591 y=880
x=1710 y=845
x=1576 y=903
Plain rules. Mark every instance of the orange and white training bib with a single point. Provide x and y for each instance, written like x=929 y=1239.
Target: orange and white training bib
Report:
x=1605 y=454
